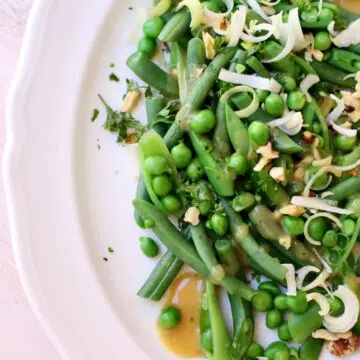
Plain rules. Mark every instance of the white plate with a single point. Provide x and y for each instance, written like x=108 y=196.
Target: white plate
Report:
x=68 y=200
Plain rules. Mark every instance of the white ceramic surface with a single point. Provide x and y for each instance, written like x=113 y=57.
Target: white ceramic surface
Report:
x=70 y=186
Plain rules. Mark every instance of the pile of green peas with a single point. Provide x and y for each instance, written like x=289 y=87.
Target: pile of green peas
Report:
x=151 y=29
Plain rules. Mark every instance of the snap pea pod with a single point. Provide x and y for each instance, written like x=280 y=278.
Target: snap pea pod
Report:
x=153 y=75
x=177 y=26
x=355 y=49
x=141 y=194
x=153 y=106
x=309 y=115
x=318 y=25
x=220 y=178
x=221 y=140
x=255 y=267
x=258 y=67
x=331 y=74
x=195 y=60
x=284 y=143
x=152 y=144
x=345 y=189
x=265 y=223
x=301 y=326
x=304 y=65
x=311 y=349
x=241 y=235
x=197 y=95
x=237 y=131
x=227 y=257
x=181 y=72
x=275 y=193
x=161 y=277
x=349 y=158
x=344 y=60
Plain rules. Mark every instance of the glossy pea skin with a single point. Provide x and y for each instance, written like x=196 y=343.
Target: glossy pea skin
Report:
x=275 y=348
x=195 y=171
x=297 y=304
x=293 y=225
x=326 y=14
x=181 y=156
x=309 y=15
x=273 y=319
x=348 y=227
x=336 y=306
x=161 y=185
x=171 y=203
x=282 y=355
x=156 y=165
x=207 y=341
x=317 y=127
x=152 y=27
x=284 y=332
x=170 y=317
x=270 y=287
x=296 y=100
x=203 y=121
x=321 y=181
x=148 y=223
x=254 y=351
x=281 y=303
x=345 y=143
x=149 y=247
x=262 y=95
x=317 y=228
x=259 y=133
x=238 y=163
x=220 y=224
x=262 y=301
x=147 y=45
x=330 y=239
x=212 y=6
x=274 y=105
x=322 y=40
x=289 y=83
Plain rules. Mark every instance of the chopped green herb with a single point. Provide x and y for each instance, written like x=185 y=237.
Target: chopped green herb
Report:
x=148 y=92
x=98 y=146
x=110 y=250
x=131 y=85
x=112 y=65
x=95 y=115
x=105 y=259
x=130 y=8
x=113 y=77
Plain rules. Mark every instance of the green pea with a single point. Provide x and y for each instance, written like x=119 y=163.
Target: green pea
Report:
x=310 y=15
x=293 y=225
x=262 y=95
x=317 y=228
x=254 y=351
x=204 y=207
x=297 y=304
x=149 y=247
x=147 y=45
x=296 y=100
x=317 y=127
x=326 y=14
x=152 y=27
x=208 y=224
x=336 y=306
x=262 y=301
x=161 y=184
x=274 y=105
x=195 y=171
x=156 y=165
x=284 y=332
x=282 y=355
x=170 y=317
x=288 y=82
x=330 y=239
x=181 y=156
x=274 y=348
x=345 y=143
x=171 y=203
x=259 y=133
x=220 y=224
x=270 y=287
x=149 y=223
x=281 y=303
x=207 y=341
x=322 y=41
x=203 y=121
x=238 y=163
x=348 y=227
x=273 y=319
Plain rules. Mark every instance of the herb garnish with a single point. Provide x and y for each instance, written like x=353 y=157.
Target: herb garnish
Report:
x=95 y=115
x=113 y=77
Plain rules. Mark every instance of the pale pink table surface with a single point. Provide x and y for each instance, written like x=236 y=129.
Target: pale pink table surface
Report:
x=21 y=336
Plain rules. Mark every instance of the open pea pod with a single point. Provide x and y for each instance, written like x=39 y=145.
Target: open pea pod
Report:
x=152 y=144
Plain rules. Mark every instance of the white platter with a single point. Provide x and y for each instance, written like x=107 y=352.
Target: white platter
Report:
x=69 y=200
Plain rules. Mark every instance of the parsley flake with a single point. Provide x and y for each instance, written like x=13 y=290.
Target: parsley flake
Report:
x=113 y=77
x=95 y=115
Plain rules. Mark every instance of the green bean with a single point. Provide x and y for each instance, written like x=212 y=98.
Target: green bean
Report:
x=309 y=115
x=324 y=127
x=153 y=106
x=237 y=131
x=153 y=75
x=311 y=349
x=241 y=235
x=176 y=27
x=227 y=257
x=221 y=140
x=319 y=24
x=269 y=229
x=331 y=74
x=301 y=326
x=141 y=194
x=195 y=61
x=284 y=143
x=345 y=189
x=304 y=65
x=161 y=277
x=355 y=48
x=344 y=60
x=350 y=158
x=255 y=64
x=219 y=178
x=181 y=72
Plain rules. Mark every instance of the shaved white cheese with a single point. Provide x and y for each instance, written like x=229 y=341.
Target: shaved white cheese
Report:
x=322 y=302
x=318 y=204
x=324 y=335
x=350 y=76
x=161 y=8
x=237 y=25
x=324 y=263
x=196 y=11
x=295 y=27
x=307 y=83
x=257 y=39
x=256 y=82
x=326 y=194
x=251 y=108
x=348 y=167
x=192 y=216
x=318 y=282
x=348 y=319
x=291 y=123
x=290 y=279
x=303 y=272
x=257 y=8
x=215 y=16
x=350 y=36
x=290 y=42
x=331 y=29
